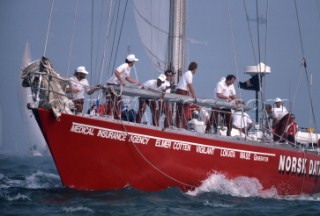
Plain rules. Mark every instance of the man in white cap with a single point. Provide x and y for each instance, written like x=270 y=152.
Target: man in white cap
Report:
x=120 y=76
x=278 y=112
x=80 y=85
x=154 y=85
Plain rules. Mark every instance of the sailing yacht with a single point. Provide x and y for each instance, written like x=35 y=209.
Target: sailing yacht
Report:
x=102 y=153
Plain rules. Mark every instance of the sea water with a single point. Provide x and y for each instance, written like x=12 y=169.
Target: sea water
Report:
x=30 y=185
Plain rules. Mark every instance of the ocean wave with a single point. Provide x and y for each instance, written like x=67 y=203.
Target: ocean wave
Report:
x=41 y=180
x=78 y=209
x=240 y=187
x=37 y=180
x=17 y=197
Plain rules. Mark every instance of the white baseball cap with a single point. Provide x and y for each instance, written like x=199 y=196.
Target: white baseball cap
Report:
x=162 y=77
x=278 y=100
x=132 y=58
x=81 y=69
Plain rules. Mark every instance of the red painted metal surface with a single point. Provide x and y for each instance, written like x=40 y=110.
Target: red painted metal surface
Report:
x=104 y=154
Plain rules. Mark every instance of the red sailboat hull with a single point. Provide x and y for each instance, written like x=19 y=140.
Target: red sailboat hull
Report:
x=100 y=154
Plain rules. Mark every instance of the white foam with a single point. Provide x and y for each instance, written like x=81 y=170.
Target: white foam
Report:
x=218 y=205
x=77 y=209
x=305 y=197
x=240 y=187
x=37 y=180
x=42 y=180
x=17 y=197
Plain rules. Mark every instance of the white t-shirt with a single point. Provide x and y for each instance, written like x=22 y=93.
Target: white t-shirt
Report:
x=203 y=114
x=167 y=86
x=152 y=84
x=124 y=71
x=279 y=112
x=185 y=80
x=82 y=86
x=241 y=119
x=224 y=89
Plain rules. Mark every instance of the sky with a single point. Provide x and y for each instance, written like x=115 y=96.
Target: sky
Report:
x=219 y=39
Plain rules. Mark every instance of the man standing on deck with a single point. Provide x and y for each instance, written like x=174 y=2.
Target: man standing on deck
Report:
x=224 y=91
x=185 y=87
x=166 y=104
x=80 y=85
x=154 y=85
x=120 y=76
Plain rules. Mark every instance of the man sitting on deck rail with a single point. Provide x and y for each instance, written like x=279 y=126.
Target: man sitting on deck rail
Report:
x=241 y=121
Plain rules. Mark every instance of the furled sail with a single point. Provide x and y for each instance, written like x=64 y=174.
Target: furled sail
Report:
x=149 y=94
x=152 y=20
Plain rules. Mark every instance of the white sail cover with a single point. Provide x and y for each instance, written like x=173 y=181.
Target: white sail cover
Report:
x=152 y=20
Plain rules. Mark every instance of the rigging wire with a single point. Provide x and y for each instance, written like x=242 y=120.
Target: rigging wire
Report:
x=262 y=90
x=110 y=21
x=48 y=29
x=234 y=46
x=250 y=31
x=120 y=34
x=99 y=40
x=114 y=36
x=72 y=37
x=304 y=65
x=91 y=50
x=258 y=32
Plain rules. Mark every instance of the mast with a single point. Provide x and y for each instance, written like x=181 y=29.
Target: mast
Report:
x=177 y=37
x=261 y=70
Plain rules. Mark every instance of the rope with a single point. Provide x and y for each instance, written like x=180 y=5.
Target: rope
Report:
x=154 y=166
x=72 y=37
x=262 y=90
x=149 y=162
x=117 y=48
x=249 y=29
x=92 y=32
x=48 y=29
x=298 y=85
x=115 y=93
x=304 y=64
x=234 y=47
x=99 y=78
x=115 y=32
x=106 y=42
